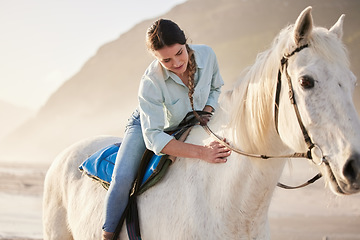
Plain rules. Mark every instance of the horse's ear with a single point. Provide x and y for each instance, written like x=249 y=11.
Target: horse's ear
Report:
x=303 y=26
x=337 y=29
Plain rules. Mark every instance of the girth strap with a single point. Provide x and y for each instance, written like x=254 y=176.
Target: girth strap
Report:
x=130 y=213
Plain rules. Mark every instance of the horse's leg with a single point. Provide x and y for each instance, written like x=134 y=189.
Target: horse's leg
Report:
x=55 y=226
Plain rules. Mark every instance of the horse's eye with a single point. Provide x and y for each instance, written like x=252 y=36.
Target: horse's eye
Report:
x=307 y=82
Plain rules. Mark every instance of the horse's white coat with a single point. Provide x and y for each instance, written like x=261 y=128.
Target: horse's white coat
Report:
x=198 y=200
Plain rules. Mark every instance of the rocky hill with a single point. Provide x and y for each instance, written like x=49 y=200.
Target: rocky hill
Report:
x=101 y=96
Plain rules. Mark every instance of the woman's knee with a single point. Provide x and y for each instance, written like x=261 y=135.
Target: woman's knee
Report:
x=124 y=179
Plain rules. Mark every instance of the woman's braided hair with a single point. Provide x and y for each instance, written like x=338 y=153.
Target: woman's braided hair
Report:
x=165 y=32
x=192 y=70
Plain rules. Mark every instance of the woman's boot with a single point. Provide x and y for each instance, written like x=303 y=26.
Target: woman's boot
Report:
x=107 y=235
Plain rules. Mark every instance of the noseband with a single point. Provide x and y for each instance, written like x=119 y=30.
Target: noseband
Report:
x=308 y=141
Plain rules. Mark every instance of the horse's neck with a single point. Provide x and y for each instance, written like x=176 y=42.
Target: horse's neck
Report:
x=237 y=193
x=244 y=185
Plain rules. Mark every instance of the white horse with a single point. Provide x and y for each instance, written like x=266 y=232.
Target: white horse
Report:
x=198 y=200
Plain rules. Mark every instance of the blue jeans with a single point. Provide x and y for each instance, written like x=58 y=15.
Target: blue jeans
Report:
x=126 y=165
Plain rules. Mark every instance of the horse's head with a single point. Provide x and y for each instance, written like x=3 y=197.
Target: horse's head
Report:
x=322 y=82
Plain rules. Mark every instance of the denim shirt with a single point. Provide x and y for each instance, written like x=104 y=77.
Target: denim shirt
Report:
x=163 y=97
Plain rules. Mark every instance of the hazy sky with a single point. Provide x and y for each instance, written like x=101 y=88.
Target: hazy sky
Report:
x=44 y=42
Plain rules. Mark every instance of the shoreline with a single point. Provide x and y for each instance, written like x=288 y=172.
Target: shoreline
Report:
x=292 y=228
x=312 y=213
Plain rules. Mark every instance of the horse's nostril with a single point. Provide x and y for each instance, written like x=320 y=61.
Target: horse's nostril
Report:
x=352 y=169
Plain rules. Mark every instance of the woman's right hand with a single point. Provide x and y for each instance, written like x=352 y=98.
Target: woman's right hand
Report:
x=215 y=152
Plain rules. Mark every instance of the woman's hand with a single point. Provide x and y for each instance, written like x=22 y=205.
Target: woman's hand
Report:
x=206 y=118
x=216 y=152
x=208 y=108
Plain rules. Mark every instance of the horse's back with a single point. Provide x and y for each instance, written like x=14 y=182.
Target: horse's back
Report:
x=65 y=191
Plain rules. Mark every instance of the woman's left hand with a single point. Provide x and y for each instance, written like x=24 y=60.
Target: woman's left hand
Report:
x=206 y=118
x=208 y=108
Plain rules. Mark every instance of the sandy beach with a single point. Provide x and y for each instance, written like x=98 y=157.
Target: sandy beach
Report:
x=311 y=213
x=21 y=190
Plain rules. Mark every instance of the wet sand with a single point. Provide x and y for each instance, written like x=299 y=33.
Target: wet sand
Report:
x=311 y=213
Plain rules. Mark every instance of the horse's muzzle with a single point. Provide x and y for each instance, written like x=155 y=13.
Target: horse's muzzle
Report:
x=351 y=172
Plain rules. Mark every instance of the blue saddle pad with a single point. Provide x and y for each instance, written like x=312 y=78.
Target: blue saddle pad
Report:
x=100 y=165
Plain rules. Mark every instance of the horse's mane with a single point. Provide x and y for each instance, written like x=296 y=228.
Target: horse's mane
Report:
x=252 y=97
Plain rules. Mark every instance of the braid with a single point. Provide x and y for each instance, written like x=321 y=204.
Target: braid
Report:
x=192 y=70
x=191 y=83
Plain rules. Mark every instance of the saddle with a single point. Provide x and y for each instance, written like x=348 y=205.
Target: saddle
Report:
x=100 y=166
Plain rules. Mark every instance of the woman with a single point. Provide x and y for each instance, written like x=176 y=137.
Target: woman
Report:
x=179 y=72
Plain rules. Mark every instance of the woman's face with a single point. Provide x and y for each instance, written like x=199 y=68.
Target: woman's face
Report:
x=174 y=58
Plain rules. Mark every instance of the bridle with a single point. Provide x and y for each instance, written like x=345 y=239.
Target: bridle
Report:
x=311 y=146
x=308 y=141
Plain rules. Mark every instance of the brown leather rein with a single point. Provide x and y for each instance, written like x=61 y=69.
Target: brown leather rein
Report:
x=309 y=143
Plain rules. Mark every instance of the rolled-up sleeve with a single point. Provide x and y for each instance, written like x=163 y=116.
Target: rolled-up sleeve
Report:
x=152 y=116
x=216 y=83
